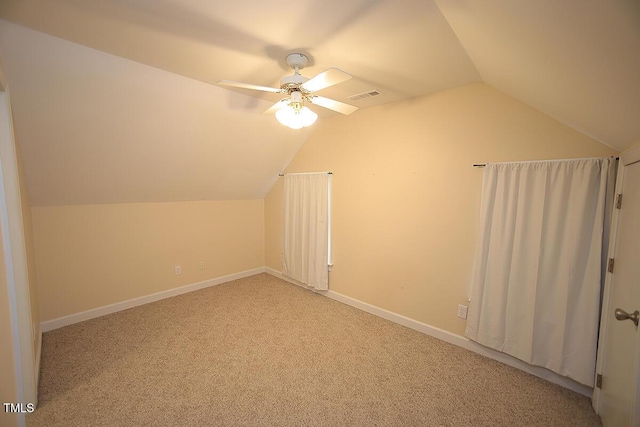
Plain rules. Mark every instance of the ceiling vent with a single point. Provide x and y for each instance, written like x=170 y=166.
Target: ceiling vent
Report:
x=363 y=95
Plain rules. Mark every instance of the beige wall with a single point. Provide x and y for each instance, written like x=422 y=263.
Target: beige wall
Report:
x=30 y=255
x=94 y=255
x=406 y=197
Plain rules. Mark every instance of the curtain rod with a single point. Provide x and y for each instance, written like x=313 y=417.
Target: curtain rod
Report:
x=481 y=165
x=305 y=173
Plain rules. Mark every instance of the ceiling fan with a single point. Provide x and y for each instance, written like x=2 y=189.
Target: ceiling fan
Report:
x=291 y=110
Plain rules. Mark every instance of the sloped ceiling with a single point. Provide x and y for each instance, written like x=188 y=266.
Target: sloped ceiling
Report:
x=577 y=61
x=116 y=101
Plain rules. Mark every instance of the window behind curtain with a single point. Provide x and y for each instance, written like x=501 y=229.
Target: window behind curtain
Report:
x=306 y=228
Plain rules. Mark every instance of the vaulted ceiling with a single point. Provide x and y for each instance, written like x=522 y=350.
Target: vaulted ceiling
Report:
x=116 y=101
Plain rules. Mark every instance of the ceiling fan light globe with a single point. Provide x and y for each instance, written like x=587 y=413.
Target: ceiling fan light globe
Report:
x=287 y=117
x=296 y=118
x=307 y=117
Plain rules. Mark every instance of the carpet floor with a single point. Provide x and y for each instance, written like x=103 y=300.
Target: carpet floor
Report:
x=262 y=352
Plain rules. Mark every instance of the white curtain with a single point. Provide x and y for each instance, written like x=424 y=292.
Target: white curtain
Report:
x=306 y=229
x=537 y=276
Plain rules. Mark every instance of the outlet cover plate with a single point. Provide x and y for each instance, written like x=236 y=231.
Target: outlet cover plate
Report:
x=462 y=311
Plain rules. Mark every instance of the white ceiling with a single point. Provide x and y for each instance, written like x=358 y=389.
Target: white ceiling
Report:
x=97 y=128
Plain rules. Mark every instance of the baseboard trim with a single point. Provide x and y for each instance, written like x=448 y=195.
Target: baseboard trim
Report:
x=60 y=322
x=447 y=336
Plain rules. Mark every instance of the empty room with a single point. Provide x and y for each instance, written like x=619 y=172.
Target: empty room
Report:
x=367 y=212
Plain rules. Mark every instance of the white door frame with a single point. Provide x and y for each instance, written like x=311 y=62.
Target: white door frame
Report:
x=627 y=158
x=13 y=241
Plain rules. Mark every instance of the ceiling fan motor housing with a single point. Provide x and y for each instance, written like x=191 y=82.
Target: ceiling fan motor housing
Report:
x=293 y=82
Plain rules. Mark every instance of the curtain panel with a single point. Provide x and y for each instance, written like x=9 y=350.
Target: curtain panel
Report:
x=537 y=277
x=306 y=229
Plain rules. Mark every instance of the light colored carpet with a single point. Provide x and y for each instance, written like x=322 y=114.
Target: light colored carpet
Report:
x=260 y=351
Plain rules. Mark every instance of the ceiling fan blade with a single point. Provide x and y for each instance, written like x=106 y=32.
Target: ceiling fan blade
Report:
x=325 y=79
x=331 y=104
x=275 y=107
x=249 y=86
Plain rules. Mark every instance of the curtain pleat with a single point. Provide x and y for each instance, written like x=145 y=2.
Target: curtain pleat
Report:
x=306 y=229
x=537 y=278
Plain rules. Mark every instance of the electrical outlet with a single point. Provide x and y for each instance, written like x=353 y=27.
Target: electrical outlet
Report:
x=178 y=270
x=201 y=265
x=462 y=311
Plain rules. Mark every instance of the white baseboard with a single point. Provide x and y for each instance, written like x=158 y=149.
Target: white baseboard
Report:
x=124 y=305
x=449 y=337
